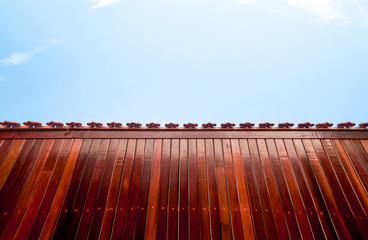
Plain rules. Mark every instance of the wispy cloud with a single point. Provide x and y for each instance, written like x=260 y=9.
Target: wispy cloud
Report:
x=328 y=10
x=20 y=57
x=103 y=3
x=244 y=2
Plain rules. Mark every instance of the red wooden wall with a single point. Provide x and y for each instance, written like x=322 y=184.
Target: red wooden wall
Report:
x=183 y=184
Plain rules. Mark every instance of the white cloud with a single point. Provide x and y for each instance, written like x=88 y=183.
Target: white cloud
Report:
x=244 y=2
x=103 y=3
x=20 y=57
x=328 y=10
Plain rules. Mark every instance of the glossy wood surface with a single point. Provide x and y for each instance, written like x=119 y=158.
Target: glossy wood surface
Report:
x=189 y=187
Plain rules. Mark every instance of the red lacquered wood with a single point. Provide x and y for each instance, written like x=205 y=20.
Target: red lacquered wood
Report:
x=4 y=149
x=183 y=191
x=278 y=212
x=142 y=202
x=121 y=205
x=112 y=196
x=203 y=204
x=153 y=192
x=362 y=154
x=172 y=218
x=132 y=205
x=299 y=208
x=161 y=220
x=212 y=191
x=226 y=229
x=242 y=191
x=236 y=222
x=193 y=190
x=9 y=160
x=95 y=226
x=26 y=194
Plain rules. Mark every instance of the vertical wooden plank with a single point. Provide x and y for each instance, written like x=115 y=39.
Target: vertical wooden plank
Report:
x=153 y=192
x=283 y=190
x=314 y=205
x=341 y=200
x=161 y=221
x=70 y=221
x=242 y=190
x=269 y=215
x=61 y=190
x=13 y=185
x=4 y=149
x=39 y=193
x=255 y=206
x=236 y=222
x=112 y=197
x=94 y=229
x=140 y=218
x=26 y=194
x=51 y=189
x=353 y=177
x=295 y=196
x=362 y=154
x=88 y=207
x=172 y=219
x=212 y=191
x=357 y=164
x=132 y=205
x=9 y=160
x=226 y=228
x=121 y=205
x=183 y=188
x=333 y=210
x=204 y=221
x=193 y=190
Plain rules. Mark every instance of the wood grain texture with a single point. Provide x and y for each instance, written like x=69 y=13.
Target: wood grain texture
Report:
x=183 y=184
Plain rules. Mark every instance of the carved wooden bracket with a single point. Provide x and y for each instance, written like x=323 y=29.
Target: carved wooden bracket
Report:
x=346 y=125
x=324 y=125
x=153 y=125
x=363 y=125
x=94 y=124
x=190 y=125
x=266 y=125
x=134 y=125
x=74 y=124
x=286 y=125
x=246 y=125
x=305 y=125
x=114 y=125
x=209 y=125
x=55 y=124
x=10 y=124
x=32 y=124
x=227 y=125
x=171 y=125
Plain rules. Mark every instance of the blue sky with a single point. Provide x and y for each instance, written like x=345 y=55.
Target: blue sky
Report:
x=184 y=60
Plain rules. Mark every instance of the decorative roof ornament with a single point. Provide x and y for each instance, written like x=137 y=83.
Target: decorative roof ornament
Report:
x=363 y=125
x=55 y=124
x=74 y=124
x=285 y=125
x=246 y=125
x=94 y=124
x=209 y=125
x=324 y=125
x=266 y=125
x=227 y=125
x=114 y=124
x=171 y=125
x=346 y=125
x=134 y=125
x=153 y=125
x=32 y=124
x=190 y=125
x=10 y=124
x=305 y=125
